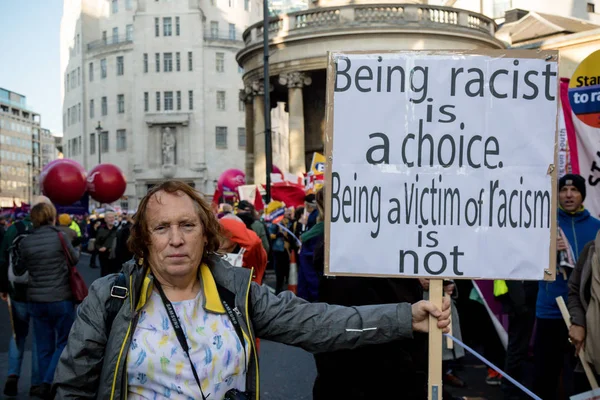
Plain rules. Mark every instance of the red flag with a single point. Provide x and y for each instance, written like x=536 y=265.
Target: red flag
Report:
x=258 y=201
x=215 y=200
x=291 y=194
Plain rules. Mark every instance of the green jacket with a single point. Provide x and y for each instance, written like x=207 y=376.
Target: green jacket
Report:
x=19 y=293
x=93 y=364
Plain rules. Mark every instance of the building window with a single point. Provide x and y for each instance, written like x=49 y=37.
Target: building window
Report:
x=178 y=61
x=104 y=106
x=230 y=3
x=191 y=99
x=69 y=116
x=168 y=101
x=242 y=138
x=241 y=105
x=121 y=140
x=146 y=102
x=104 y=142
x=591 y=7
x=247 y=5
x=78 y=76
x=157 y=27
x=115 y=35
x=103 y=68
x=92 y=143
x=104 y=37
x=214 y=29
x=92 y=108
x=179 y=100
x=91 y=71
x=220 y=63
x=121 y=103
x=221 y=137
x=168 y=62
x=129 y=32
x=221 y=100
x=78 y=112
x=115 y=6
x=190 y=61
x=167 y=26
x=157 y=101
x=120 y=65
x=231 y=31
x=177 y=29
x=157 y=56
x=128 y=4
x=145 y=62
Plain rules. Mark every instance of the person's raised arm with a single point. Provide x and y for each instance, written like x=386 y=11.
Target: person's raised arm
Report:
x=320 y=327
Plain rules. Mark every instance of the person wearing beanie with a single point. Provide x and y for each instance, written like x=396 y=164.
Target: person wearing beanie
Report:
x=551 y=346
x=64 y=224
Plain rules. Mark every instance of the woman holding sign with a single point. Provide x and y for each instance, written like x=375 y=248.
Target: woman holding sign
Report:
x=188 y=317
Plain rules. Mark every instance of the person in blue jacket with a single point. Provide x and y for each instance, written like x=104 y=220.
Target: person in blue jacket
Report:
x=552 y=351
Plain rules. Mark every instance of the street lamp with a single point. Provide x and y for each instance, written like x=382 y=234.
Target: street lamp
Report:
x=99 y=132
x=29 y=182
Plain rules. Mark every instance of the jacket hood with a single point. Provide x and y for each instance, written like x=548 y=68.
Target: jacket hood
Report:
x=239 y=234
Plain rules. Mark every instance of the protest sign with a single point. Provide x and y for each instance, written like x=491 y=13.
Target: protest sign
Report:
x=442 y=164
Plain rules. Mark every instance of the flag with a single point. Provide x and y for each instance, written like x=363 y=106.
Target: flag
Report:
x=290 y=194
x=584 y=150
x=258 y=201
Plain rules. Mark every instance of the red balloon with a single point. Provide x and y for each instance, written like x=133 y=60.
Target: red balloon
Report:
x=106 y=183
x=53 y=163
x=230 y=180
x=64 y=182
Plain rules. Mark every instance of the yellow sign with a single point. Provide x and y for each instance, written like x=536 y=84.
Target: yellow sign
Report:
x=584 y=90
x=317 y=166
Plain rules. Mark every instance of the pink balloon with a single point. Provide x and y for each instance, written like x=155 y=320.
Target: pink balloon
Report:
x=230 y=180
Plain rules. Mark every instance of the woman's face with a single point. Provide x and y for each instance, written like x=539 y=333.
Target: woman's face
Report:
x=176 y=236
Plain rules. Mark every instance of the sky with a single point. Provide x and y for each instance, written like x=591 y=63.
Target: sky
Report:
x=30 y=56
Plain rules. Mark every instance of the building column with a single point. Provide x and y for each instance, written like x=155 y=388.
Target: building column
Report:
x=258 y=110
x=246 y=96
x=295 y=81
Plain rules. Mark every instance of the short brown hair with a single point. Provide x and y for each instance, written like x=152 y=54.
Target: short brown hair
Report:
x=43 y=214
x=139 y=239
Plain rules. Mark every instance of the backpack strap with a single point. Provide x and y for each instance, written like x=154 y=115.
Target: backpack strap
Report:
x=118 y=294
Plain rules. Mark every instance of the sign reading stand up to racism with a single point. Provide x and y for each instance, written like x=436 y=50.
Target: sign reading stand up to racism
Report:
x=442 y=164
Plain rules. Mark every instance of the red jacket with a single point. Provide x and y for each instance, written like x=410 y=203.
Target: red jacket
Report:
x=255 y=255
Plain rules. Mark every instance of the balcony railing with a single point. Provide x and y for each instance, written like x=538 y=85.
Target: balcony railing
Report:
x=109 y=41
x=234 y=36
x=375 y=15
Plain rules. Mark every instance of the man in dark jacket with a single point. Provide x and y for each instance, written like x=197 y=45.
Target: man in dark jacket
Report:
x=123 y=254
x=551 y=338
x=105 y=241
x=393 y=370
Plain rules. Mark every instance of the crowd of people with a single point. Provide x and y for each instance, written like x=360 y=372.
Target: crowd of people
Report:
x=175 y=262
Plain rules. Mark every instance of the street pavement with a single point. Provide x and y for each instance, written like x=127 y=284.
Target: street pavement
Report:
x=287 y=373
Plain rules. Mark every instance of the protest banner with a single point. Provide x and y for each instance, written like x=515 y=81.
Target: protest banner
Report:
x=442 y=165
x=580 y=98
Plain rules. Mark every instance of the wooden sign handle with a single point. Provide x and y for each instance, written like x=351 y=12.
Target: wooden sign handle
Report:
x=436 y=295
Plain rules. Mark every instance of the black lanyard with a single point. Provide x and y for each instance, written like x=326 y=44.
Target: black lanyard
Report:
x=179 y=332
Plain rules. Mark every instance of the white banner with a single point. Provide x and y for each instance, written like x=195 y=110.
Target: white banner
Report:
x=440 y=165
x=588 y=155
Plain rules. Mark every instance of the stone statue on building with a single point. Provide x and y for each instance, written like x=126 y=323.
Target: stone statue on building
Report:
x=168 y=146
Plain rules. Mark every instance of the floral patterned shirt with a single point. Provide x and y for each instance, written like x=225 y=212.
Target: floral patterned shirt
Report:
x=157 y=367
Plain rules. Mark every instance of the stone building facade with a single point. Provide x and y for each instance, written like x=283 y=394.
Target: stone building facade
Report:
x=299 y=43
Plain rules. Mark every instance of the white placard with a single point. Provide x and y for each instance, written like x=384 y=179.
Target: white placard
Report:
x=440 y=164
